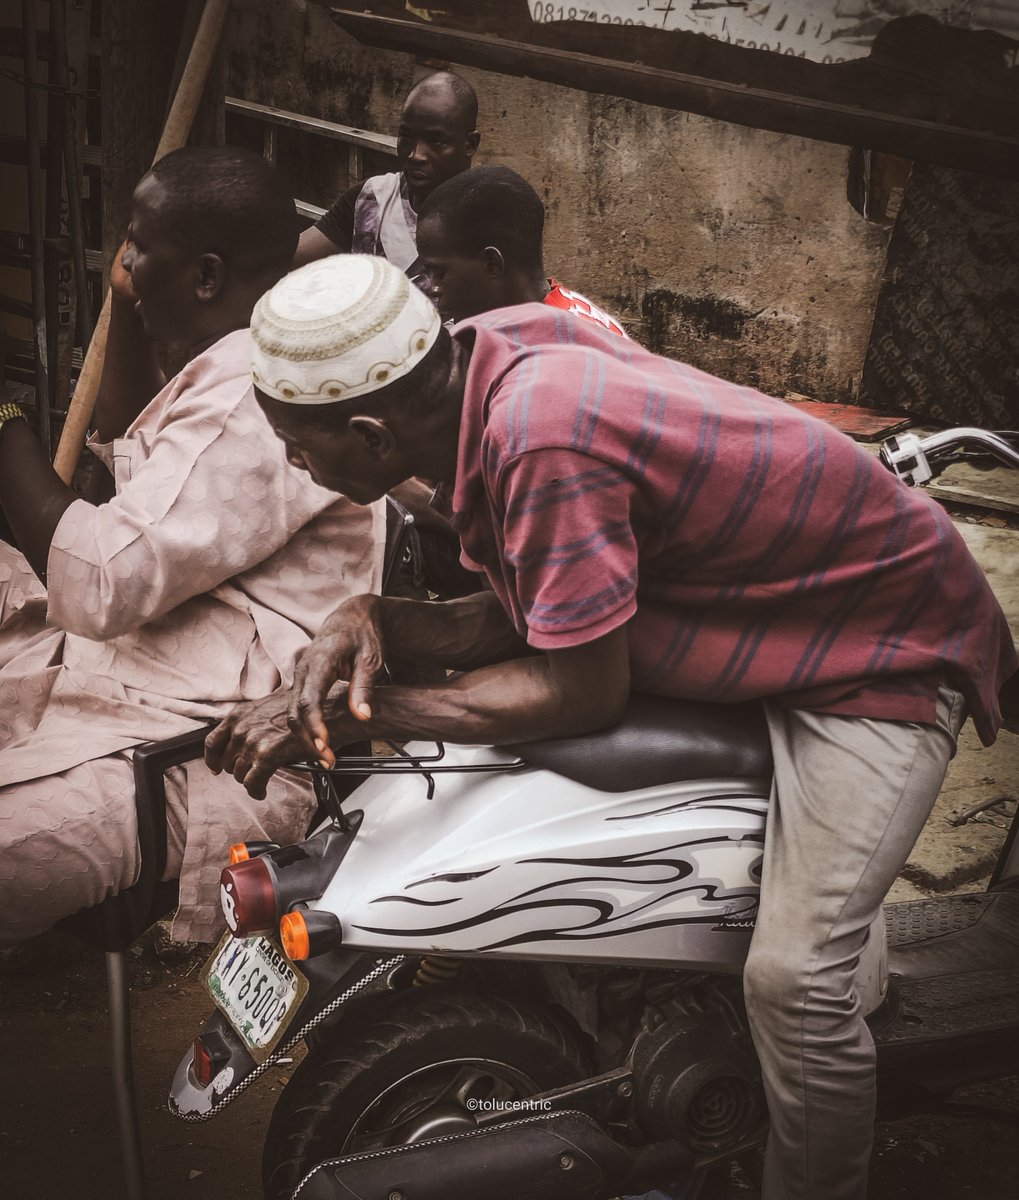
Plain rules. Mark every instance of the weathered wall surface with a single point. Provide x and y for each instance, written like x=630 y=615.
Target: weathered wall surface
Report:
x=734 y=249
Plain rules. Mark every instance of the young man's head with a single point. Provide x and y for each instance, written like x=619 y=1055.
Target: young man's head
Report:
x=357 y=376
x=211 y=228
x=479 y=238
x=438 y=132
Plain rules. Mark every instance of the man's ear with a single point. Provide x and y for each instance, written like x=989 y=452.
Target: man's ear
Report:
x=211 y=276
x=494 y=262
x=376 y=435
x=473 y=140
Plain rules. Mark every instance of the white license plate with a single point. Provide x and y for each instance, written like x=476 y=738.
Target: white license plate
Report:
x=257 y=988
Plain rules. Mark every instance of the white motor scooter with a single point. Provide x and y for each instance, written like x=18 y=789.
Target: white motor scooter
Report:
x=518 y=970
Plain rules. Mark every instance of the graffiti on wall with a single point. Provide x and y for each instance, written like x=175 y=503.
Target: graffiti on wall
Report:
x=825 y=31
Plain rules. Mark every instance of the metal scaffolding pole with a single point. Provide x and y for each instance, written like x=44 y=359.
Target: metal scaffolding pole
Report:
x=35 y=227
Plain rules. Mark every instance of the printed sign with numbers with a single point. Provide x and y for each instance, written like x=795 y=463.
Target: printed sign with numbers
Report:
x=825 y=31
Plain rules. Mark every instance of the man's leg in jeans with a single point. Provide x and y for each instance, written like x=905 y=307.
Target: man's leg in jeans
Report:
x=849 y=800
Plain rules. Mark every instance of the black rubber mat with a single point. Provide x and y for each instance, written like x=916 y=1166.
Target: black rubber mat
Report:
x=977 y=1002
x=954 y=964
x=921 y=919
x=952 y=934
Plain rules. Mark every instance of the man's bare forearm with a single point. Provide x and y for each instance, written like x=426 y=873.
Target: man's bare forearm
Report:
x=457 y=634
x=518 y=701
x=576 y=690
x=32 y=495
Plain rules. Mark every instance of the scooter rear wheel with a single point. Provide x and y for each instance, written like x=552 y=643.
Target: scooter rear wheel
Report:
x=418 y=1066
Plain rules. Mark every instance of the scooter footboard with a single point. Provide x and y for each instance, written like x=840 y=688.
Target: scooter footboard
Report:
x=553 y=1156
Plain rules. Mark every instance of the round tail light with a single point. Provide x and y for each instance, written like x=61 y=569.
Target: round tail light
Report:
x=247 y=895
x=305 y=934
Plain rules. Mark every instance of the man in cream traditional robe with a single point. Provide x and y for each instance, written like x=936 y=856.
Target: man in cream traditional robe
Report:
x=195 y=586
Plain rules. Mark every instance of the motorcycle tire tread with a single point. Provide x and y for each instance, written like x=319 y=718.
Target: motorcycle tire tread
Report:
x=309 y=1116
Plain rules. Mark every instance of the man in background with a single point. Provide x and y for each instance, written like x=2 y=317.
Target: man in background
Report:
x=436 y=140
x=480 y=241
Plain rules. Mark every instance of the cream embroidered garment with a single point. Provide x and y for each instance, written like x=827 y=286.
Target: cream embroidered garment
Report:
x=193 y=588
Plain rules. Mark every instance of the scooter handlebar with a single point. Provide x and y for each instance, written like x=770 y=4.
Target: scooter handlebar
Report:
x=910 y=457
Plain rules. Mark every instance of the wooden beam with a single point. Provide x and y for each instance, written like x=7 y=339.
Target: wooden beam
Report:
x=972 y=149
x=330 y=129
x=13 y=152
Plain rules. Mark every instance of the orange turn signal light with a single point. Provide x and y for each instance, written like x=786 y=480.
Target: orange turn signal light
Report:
x=294 y=936
x=239 y=853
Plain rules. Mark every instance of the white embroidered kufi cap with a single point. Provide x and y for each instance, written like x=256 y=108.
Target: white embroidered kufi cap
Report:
x=339 y=328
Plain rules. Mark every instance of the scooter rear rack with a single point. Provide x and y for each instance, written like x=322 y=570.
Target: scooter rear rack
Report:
x=399 y=762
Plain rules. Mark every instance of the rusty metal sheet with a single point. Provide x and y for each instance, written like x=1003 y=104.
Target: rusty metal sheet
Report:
x=862 y=424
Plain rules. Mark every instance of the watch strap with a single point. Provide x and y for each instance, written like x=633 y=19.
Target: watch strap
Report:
x=11 y=411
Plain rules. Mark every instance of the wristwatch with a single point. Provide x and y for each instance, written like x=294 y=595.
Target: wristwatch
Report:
x=9 y=411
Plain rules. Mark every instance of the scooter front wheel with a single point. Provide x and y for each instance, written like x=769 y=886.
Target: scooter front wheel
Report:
x=424 y=1064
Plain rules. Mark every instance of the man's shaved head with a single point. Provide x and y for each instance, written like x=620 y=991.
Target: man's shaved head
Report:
x=437 y=136
x=461 y=97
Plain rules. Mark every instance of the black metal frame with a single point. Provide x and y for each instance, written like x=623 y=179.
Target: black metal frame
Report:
x=400 y=763
x=115 y=923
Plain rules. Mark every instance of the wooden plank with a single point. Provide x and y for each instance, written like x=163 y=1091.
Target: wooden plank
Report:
x=17 y=308
x=14 y=153
x=14 y=248
x=330 y=129
x=995 y=489
x=863 y=122
x=12 y=43
x=69 y=62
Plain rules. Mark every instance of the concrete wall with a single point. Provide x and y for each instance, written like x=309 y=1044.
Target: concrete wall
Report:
x=734 y=249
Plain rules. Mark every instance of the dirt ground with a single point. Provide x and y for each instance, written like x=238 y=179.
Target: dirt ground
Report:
x=57 y=1131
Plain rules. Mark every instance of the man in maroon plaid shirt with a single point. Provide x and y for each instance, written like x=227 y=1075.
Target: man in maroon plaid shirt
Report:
x=643 y=525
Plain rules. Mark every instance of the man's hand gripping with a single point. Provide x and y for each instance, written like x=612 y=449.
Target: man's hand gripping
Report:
x=258 y=738
x=348 y=646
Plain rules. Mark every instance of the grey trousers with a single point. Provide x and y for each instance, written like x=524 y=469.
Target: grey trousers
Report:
x=849 y=799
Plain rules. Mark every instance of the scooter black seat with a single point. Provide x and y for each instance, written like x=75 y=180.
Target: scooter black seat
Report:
x=661 y=740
